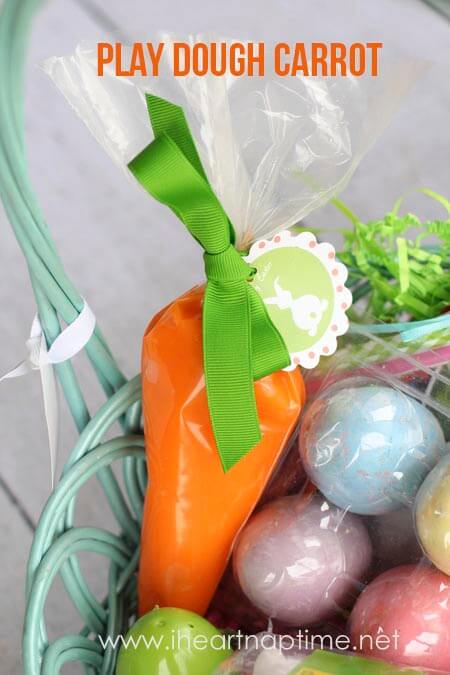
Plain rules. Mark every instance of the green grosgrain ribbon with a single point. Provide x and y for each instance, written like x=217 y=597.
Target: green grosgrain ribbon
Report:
x=240 y=343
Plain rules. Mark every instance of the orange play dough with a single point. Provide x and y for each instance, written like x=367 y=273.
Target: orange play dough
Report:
x=193 y=510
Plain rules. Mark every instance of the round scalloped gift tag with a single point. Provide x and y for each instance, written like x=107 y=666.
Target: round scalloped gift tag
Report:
x=303 y=288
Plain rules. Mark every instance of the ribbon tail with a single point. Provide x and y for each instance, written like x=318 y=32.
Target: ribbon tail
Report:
x=228 y=369
x=68 y=343
x=31 y=362
x=51 y=409
x=22 y=368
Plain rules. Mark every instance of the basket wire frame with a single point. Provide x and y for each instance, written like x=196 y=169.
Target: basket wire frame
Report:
x=58 y=542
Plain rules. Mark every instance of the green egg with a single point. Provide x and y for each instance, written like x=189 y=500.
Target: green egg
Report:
x=170 y=641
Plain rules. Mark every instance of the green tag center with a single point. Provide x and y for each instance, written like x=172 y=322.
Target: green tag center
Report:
x=298 y=293
x=303 y=289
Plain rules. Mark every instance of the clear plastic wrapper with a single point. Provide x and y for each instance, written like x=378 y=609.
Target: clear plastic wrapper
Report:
x=274 y=149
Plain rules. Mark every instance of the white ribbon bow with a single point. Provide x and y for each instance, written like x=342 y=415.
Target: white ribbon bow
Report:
x=68 y=343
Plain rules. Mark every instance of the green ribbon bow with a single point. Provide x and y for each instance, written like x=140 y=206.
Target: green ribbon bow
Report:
x=240 y=343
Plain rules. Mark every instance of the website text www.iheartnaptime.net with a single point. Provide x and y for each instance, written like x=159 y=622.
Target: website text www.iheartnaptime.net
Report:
x=178 y=639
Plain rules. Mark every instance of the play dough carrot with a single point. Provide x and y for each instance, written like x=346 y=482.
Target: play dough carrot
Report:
x=193 y=508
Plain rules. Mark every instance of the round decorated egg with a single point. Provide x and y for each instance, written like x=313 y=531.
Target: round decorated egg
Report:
x=175 y=641
x=432 y=514
x=301 y=560
x=368 y=447
x=403 y=616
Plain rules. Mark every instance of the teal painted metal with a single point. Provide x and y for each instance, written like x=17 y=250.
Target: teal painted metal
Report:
x=442 y=6
x=58 y=542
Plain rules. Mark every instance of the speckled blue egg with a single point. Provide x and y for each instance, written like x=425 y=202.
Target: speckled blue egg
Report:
x=368 y=447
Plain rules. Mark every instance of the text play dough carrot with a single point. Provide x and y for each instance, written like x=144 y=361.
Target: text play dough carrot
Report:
x=193 y=508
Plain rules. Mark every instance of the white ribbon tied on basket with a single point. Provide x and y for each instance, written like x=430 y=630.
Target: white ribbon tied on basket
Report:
x=68 y=343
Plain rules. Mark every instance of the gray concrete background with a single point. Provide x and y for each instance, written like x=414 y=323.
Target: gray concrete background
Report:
x=128 y=256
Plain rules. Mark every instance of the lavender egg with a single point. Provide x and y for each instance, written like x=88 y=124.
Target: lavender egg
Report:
x=368 y=447
x=300 y=560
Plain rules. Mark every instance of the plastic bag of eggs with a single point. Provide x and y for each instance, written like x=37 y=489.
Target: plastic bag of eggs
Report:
x=379 y=469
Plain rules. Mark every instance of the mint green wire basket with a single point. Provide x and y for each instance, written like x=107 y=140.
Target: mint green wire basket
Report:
x=58 y=543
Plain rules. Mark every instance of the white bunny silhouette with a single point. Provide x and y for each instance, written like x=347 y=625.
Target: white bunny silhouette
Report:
x=307 y=310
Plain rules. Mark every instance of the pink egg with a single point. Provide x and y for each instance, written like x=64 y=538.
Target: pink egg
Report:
x=403 y=616
x=300 y=560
